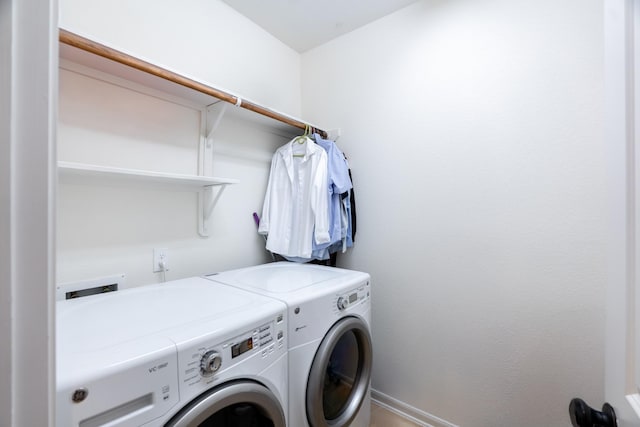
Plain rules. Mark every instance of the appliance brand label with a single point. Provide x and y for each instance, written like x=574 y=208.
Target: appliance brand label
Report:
x=158 y=367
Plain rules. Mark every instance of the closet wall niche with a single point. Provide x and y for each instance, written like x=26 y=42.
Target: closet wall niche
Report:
x=144 y=161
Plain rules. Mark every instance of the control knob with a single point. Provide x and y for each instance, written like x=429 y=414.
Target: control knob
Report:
x=342 y=303
x=210 y=363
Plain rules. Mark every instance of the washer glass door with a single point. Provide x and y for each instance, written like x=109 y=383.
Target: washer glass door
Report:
x=340 y=374
x=236 y=404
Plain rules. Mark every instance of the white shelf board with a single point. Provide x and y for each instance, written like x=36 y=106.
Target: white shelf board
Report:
x=70 y=172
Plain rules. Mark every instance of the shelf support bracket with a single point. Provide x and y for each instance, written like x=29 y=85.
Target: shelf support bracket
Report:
x=212 y=116
x=216 y=113
x=207 y=200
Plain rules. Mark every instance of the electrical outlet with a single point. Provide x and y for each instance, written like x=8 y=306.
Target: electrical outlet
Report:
x=160 y=260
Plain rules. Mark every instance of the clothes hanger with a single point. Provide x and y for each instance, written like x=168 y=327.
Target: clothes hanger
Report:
x=303 y=139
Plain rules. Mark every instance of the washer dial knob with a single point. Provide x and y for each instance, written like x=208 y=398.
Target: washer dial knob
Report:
x=342 y=303
x=210 y=363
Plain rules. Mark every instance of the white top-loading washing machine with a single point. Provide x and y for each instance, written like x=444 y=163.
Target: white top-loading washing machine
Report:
x=330 y=353
x=180 y=353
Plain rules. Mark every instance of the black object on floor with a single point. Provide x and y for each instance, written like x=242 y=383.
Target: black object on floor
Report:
x=582 y=415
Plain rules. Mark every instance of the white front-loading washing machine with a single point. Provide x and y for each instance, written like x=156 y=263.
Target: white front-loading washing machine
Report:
x=180 y=353
x=330 y=353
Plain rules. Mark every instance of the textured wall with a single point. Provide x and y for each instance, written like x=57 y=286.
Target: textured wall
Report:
x=474 y=131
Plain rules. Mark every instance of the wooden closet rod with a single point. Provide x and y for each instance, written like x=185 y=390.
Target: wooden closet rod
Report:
x=85 y=44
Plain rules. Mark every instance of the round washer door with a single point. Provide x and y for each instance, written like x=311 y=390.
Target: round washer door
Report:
x=340 y=374
x=236 y=403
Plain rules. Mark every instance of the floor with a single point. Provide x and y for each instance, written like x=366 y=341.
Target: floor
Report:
x=381 y=417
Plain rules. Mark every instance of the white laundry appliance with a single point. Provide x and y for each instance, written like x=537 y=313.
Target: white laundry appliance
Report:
x=180 y=353
x=330 y=353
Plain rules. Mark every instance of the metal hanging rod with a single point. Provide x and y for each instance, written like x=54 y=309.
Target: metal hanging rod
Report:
x=87 y=45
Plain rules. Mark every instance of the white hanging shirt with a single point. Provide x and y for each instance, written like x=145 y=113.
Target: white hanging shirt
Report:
x=296 y=204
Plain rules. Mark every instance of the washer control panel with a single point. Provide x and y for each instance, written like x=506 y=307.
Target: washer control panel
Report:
x=352 y=297
x=202 y=365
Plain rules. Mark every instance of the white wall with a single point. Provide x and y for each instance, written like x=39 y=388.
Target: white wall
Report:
x=108 y=230
x=200 y=38
x=475 y=136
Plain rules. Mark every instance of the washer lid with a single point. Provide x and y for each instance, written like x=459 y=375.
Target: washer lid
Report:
x=105 y=333
x=106 y=322
x=283 y=277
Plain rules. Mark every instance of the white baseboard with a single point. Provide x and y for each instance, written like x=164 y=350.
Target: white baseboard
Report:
x=404 y=410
